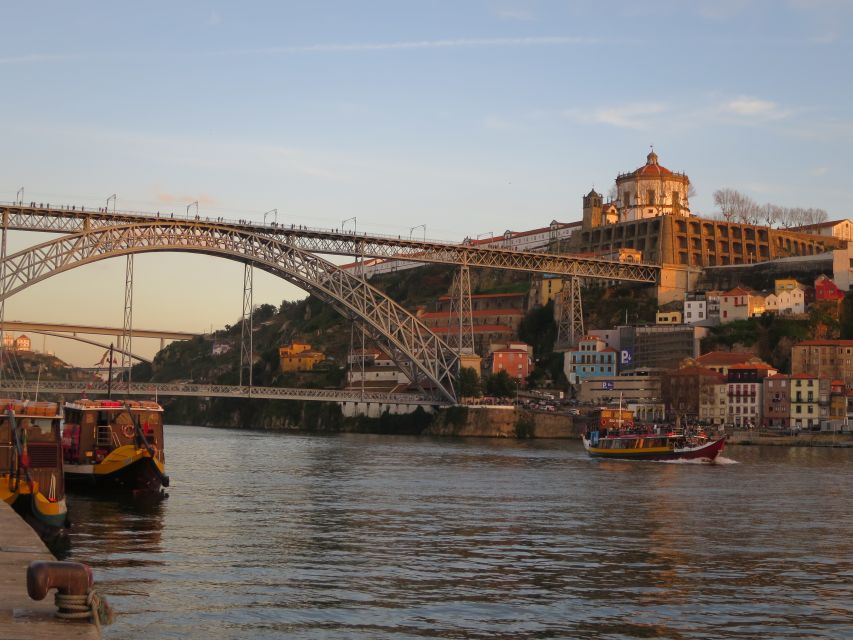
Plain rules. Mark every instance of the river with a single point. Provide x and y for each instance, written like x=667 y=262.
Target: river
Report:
x=271 y=535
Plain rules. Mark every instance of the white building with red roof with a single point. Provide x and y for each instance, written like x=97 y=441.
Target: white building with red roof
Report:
x=651 y=191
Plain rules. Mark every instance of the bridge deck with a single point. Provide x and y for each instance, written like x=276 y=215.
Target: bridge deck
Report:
x=154 y=389
x=335 y=242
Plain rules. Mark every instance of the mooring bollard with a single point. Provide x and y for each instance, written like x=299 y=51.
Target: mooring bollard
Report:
x=76 y=598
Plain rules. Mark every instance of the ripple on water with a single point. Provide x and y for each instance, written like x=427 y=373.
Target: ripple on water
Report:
x=272 y=535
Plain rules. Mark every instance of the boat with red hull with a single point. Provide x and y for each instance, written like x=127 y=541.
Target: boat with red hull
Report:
x=652 y=446
x=617 y=437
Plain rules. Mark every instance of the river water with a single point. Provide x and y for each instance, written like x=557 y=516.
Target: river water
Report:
x=269 y=535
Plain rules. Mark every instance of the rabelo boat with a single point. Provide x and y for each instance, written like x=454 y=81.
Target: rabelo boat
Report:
x=31 y=477
x=114 y=445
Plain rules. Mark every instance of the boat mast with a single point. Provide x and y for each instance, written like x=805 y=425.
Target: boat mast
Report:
x=110 y=375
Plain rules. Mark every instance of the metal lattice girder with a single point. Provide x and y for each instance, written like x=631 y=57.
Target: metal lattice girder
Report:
x=349 y=244
x=460 y=335
x=149 y=389
x=246 y=328
x=569 y=314
x=398 y=329
x=126 y=342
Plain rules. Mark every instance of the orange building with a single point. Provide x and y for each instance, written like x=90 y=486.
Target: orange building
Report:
x=298 y=356
x=515 y=360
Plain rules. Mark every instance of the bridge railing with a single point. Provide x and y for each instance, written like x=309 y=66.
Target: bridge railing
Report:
x=212 y=390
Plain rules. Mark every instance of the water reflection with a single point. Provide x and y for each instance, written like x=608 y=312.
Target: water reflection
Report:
x=270 y=535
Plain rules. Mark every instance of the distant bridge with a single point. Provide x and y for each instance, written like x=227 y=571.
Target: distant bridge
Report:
x=154 y=389
x=94 y=330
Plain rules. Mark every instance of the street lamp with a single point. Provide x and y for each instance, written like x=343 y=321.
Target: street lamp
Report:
x=107 y=206
x=190 y=205
x=354 y=225
x=19 y=196
x=411 y=231
x=274 y=212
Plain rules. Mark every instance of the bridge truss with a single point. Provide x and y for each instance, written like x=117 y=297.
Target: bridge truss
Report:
x=425 y=356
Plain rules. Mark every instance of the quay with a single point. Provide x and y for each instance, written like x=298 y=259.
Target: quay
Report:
x=20 y=616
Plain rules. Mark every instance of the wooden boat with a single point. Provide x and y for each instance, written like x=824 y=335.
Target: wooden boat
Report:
x=617 y=437
x=652 y=446
x=113 y=445
x=31 y=475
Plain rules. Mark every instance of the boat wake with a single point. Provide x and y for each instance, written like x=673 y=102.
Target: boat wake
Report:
x=719 y=460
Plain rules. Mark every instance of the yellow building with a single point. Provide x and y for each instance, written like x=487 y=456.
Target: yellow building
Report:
x=298 y=356
x=784 y=284
x=668 y=317
x=546 y=288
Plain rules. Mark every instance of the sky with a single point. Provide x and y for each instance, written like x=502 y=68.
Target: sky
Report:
x=468 y=117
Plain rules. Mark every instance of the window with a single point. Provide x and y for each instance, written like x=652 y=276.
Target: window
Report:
x=650 y=196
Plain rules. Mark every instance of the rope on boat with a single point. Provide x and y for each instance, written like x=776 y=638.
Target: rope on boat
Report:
x=90 y=606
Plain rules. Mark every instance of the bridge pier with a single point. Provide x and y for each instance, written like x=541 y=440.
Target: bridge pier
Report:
x=569 y=314
x=376 y=409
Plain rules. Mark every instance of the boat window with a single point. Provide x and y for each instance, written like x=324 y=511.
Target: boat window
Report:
x=39 y=429
x=152 y=418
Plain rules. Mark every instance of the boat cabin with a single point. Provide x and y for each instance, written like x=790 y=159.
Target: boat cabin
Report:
x=34 y=454
x=95 y=428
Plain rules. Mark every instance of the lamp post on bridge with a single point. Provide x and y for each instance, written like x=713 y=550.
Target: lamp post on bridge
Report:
x=419 y=226
x=19 y=196
x=354 y=224
x=274 y=212
x=107 y=205
x=190 y=205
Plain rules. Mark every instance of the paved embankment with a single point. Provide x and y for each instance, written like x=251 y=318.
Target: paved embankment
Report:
x=20 y=616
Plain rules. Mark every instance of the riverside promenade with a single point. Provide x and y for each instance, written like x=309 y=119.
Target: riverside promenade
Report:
x=20 y=616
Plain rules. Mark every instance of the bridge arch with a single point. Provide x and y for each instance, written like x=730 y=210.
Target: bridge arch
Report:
x=406 y=338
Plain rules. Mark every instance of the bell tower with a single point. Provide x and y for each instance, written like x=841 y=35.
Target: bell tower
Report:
x=592 y=210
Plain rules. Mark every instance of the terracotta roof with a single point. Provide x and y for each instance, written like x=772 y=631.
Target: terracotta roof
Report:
x=477 y=313
x=751 y=365
x=652 y=169
x=819 y=225
x=693 y=370
x=478 y=328
x=489 y=295
x=825 y=343
x=739 y=291
x=724 y=357
x=837 y=382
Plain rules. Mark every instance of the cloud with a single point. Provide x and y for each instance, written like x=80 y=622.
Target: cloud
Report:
x=214 y=18
x=457 y=43
x=746 y=108
x=39 y=57
x=627 y=116
x=819 y=171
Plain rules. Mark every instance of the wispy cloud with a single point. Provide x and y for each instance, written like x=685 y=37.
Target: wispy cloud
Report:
x=819 y=171
x=628 y=116
x=752 y=107
x=39 y=57
x=456 y=43
x=737 y=110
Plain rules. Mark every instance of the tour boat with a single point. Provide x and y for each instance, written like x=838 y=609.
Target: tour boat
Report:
x=113 y=445
x=652 y=446
x=617 y=437
x=31 y=464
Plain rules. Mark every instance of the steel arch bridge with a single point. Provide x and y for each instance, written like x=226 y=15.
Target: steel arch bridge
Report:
x=426 y=357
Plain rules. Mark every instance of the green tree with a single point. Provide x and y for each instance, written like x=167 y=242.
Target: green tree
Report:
x=469 y=383
x=500 y=385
